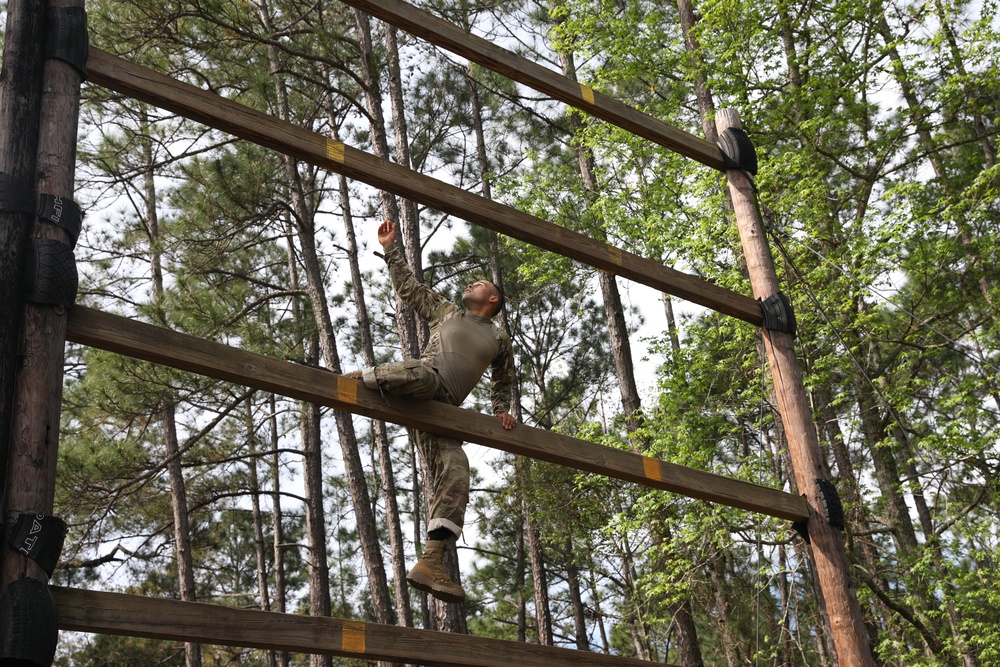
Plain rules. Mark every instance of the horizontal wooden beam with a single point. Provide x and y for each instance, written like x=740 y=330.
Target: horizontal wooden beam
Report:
x=242 y=121
x=437 y=31
x=202 y=623
x=190 y=353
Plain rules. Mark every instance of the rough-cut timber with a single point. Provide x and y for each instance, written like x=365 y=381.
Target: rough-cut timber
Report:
x=20 y=100
x=135 y=616
x=241 y=121
x=832 y=566
x=38 y=397
x=164 y=346
x=483 y=52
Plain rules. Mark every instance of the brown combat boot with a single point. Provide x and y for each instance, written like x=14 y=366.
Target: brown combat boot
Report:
x=429 y=574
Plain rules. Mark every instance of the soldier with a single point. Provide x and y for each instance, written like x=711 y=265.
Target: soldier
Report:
x=462 y=345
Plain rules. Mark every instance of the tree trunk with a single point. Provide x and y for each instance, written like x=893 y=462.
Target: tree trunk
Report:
x=857 y=516
x=722 y=607
x=258 y=520
x=599 y=614
x=543 y=615
x=576 y=598
x=182 y=527
x=886 y=468
x=312 y=468
x=520 y=568
x=412 y=333
x=312 y=465
x=168 y=425
x=354 y=471
x=633 y=614
x=381 y=436
x=277 y=529
x=367 y=530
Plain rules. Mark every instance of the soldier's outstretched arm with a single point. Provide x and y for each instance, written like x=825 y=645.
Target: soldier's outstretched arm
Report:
x=430 y=306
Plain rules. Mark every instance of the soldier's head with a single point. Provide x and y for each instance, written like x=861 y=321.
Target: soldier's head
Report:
x=483 y=298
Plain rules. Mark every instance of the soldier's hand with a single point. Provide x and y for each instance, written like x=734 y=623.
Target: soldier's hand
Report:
x=387 y=233
x=507 y=420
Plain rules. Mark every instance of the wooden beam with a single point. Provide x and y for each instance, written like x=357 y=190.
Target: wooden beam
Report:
x=170 y=348
x=241 y=121
x=198 y=622
x=437 y=31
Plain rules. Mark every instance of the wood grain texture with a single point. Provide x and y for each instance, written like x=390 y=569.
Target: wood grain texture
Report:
x=832 y=565
x=241 y=121
x=137 y=616
x=170 y=348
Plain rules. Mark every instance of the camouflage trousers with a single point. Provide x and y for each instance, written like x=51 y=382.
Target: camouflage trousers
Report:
x=445 y=459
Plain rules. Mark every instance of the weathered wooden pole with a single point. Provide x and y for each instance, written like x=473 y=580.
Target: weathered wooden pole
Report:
x=20 y=93
x=32 y=536
x=832 y=566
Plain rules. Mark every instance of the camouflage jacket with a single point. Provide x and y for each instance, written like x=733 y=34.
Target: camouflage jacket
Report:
x=461 y=345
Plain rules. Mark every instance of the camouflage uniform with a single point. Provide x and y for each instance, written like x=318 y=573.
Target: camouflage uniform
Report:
x=460 y=348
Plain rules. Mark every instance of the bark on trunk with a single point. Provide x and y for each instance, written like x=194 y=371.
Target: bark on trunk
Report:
x=312 y=469
x=367 y=530
x=182 y=526
x=319 y=568
x=381 y=436
x=543 y=615
x=722 y=607
x=277 y=529
x=412 y=333
x=576 y=599
x=167 y=414
x=260 y=549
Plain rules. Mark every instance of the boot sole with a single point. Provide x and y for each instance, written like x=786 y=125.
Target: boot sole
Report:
x=427 y=586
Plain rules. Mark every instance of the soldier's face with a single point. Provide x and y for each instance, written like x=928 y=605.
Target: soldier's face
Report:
x=478 y=293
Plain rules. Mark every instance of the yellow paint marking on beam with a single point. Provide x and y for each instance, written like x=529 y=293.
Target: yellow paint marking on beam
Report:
x=352 y=637
x=335 y=150
x=652 y=469
x=347 y=390
x=588 y=94
x=615 y=255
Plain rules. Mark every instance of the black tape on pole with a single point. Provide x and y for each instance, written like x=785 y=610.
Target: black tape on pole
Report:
x=62 y=212
x=737 y=150
x=778 y=313
x=831 y=503
x=50 y=276
x=66 y=37
x=40 y=538
x=29 y=624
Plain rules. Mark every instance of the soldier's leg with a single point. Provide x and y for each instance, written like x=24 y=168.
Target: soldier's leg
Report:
x=449 y=469
x=408 y=377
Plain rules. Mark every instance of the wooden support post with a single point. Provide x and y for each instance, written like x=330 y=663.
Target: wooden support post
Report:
x=20 y=91
x=832 y=566
x=31 y=461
